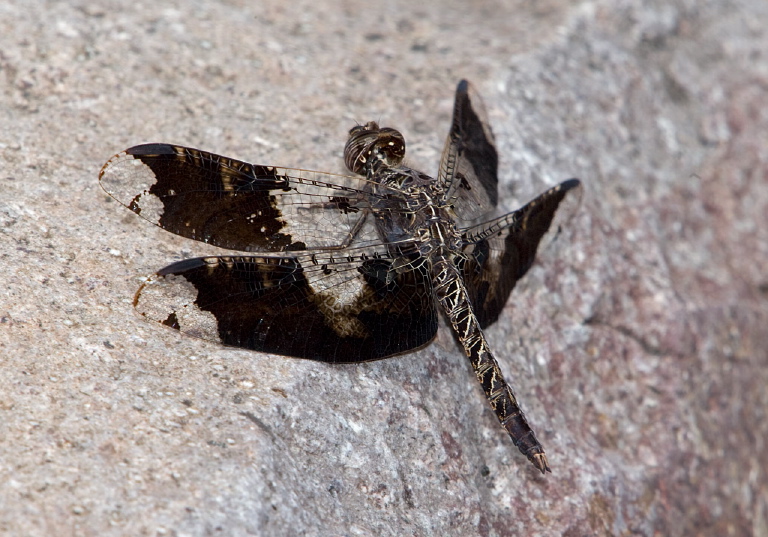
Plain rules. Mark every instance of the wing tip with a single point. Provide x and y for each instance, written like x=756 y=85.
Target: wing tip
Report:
x=184 y=265
x=151 y=149
x=570 y=183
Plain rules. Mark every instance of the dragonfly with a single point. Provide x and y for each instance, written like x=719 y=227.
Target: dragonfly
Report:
x=345 y=268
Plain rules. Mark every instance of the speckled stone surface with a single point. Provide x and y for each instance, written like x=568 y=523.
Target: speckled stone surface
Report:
x=638 y=346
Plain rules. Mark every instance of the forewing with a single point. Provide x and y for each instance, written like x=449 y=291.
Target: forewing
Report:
x=236 y=205
x=468 y=167
x=501 y=251
x=353 y=309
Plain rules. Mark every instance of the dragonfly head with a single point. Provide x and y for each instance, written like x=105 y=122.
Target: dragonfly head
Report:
x=369 y=146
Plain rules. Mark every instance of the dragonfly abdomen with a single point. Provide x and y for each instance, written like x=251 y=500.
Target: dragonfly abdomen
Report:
x=452 y=295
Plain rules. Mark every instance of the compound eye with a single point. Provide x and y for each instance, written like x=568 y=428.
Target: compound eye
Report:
x=391 y=144
x=367 y=143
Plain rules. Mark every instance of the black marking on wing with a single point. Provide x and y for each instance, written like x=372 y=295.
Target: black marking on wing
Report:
x=500 y=252
x=233 y=204
x=378 y=274
x=468 y=166
x=343 y=204
x=283 y=305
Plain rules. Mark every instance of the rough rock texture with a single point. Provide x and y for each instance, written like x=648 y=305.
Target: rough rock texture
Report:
x=638 y=346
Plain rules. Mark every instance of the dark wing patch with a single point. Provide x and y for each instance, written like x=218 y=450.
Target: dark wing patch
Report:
x=236 y=205
x=468 y=166
x=498 y=253
x=324 y=309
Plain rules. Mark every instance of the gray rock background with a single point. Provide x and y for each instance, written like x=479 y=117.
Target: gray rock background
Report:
x=637 y=346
